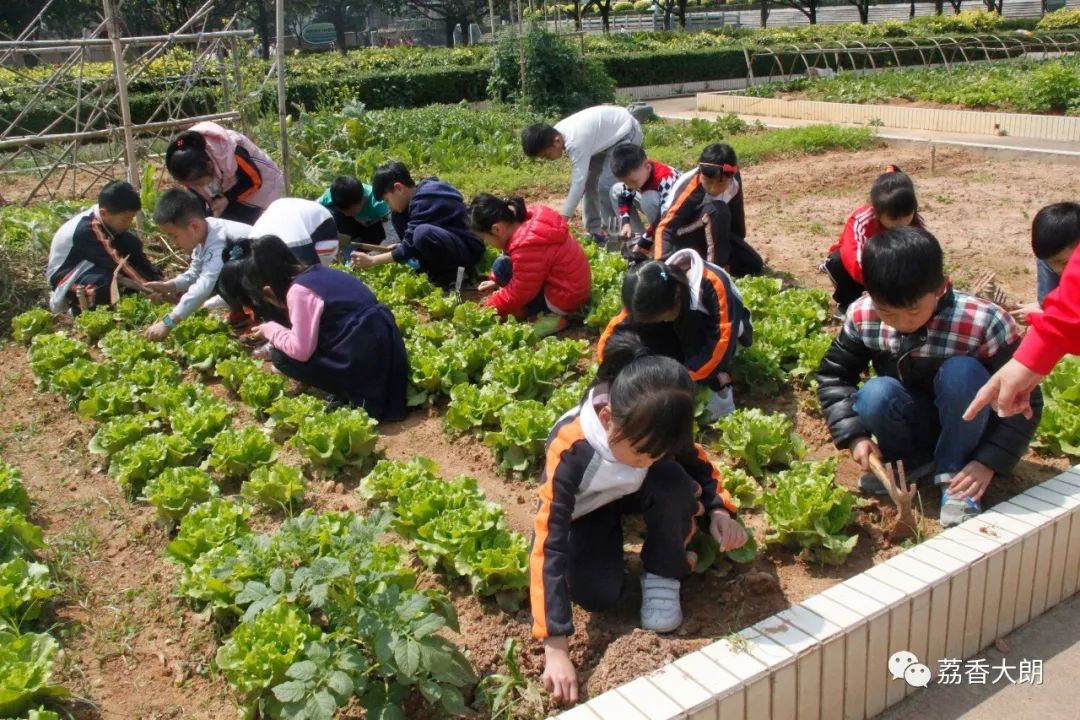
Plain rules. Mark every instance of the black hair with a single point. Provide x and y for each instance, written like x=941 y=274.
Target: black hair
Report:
x=1055 y=228
x=346 y=191
x=387 y=175
x=177 y=205
x=240 y=284
x=902 y=265
x=186 y=157
x=717 y=154
x=485 y=210
x=654 y=288
x=651 y=397
x=275 y=265
x=118 y=197
x=537 y=138
x=893 y=194
x=626 y=158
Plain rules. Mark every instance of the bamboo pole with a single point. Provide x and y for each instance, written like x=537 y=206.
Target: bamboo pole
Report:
x=121 y=85
x=73 y=43
x=24 y=140
x=282 y=117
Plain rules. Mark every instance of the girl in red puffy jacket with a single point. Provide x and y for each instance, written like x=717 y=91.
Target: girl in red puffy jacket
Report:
x=542 y=269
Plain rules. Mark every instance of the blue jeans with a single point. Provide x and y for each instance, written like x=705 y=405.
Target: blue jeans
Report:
x=1046 y=280
x=915 y=427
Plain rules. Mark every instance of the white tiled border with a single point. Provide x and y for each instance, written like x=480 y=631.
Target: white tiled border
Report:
x=974 y=122
x=826 y=658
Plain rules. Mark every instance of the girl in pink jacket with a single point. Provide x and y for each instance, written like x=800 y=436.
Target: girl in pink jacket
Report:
x=235 y=179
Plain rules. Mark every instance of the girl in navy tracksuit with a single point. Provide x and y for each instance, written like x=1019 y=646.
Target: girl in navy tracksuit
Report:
x=689 y=310
x=340 y=339
x=627 y=449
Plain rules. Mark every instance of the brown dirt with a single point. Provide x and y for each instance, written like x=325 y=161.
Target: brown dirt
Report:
x=120 y=618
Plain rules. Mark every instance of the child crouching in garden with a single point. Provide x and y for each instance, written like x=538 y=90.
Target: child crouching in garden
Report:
x=543 y=268
x=627 y=449
x=932 y=349
x=688 y=310
x=340 y=339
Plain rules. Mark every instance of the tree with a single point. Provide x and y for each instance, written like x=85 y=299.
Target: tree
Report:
x=991 y=5
x=673 y=7
x=863 y=6
x=808 y=8
x=450 y=12
x=604 y=8
x=764 y=13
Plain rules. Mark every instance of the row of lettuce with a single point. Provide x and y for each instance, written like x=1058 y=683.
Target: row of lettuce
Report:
x=322 y=608
x=26 y=584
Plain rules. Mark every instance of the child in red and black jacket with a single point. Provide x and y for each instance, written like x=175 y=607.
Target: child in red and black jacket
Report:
x=689 y=310
x=932 y=349
x=892 y=204
x=644 y=186
x=628 y=449
x=543 y=269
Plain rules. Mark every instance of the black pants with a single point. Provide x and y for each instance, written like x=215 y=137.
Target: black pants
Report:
x=743 y=259
x=845 y=289
x=668 y=501
x=357 y=231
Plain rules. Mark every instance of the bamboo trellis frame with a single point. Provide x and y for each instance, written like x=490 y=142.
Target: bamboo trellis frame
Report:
x=97 y=111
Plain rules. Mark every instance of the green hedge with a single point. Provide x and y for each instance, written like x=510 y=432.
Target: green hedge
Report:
x=452 y=84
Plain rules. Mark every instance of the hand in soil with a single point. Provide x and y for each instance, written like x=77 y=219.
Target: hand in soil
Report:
x=728 y=533
x=560 y=677
x=971 y=481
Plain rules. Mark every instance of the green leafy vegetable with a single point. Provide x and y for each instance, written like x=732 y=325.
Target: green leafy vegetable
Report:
x=209 y=525
x=94 y=324
x=519 y=443
x=126 y=348
x=176 y=490
x=260 y=390
x=12 y=492
x=108 y=400
x=807 y=510
x=24 y=587
x=234 y=370
x=50 y=353
x=26 y=666
x=336 y=439
x=204 y=352
x=235 y=453
x=18 y=536
x=759 y=440
x=285 y=414
x=27 y=326
x=276 y=486
x=201 y=420
x=146 y=458
x=118 y=433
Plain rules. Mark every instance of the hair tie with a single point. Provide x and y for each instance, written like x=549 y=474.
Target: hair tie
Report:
x=179 y=143
x=663 y=274
x=236 y=252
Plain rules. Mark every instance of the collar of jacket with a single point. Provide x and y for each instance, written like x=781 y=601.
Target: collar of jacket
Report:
x=594 y=430
x=910 y=341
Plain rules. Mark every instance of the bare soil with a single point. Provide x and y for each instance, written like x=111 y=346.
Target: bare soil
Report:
x=133 y=650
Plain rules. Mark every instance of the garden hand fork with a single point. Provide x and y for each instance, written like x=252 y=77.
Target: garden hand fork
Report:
x=902 y=494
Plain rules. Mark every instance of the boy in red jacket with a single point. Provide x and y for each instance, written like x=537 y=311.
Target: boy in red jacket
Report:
x=892 y=204
x=543 y=269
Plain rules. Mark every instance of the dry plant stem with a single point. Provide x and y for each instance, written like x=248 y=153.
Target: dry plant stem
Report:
x=902 y=494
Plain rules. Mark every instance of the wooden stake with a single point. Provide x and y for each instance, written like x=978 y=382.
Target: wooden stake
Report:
x=120 y=72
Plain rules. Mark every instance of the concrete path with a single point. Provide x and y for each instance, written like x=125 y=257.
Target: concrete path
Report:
x=685 y=108
x=1053 y=638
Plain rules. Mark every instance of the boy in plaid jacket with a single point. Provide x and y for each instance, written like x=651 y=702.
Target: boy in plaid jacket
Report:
x=932 y=349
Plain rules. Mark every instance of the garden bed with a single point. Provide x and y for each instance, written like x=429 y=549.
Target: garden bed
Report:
x=129 y=640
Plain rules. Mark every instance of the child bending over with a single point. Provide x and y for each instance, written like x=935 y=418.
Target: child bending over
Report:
x=340 y=339
x=688 y=310
x=644 y=187
x=358 y=215
x=543 y=269
x=1055 y=234
x=180 y=214
x=932 y=349
x=305 y=226
x=433 y=223
x=892 y=204
x=628 y=449
x=706 y=214
x=87 y=249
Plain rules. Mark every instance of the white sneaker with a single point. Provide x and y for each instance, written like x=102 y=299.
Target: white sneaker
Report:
x=721 y=404
x=660 y=608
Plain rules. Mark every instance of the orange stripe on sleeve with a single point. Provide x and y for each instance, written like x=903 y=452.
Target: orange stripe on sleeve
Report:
x=721 y=493
x=612 y=326
x=251 y=172
x=563 y=441
x=658 y=238
x=723 y=340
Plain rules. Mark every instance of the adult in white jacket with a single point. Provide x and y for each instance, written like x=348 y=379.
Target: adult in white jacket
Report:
x=587 y=138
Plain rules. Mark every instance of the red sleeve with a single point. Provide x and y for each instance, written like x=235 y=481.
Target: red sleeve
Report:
x=1055 y=332
x=529 y=273
x=849 y=250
